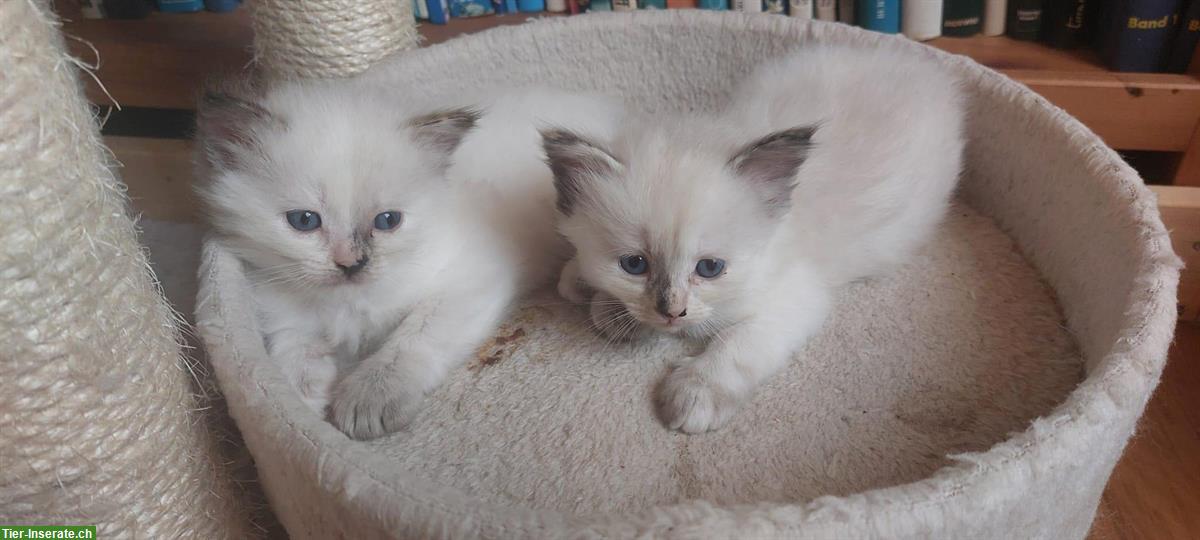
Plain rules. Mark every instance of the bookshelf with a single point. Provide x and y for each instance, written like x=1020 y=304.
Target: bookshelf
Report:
x=161 y=61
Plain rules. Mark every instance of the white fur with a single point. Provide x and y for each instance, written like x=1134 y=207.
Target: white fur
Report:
x=885 y=158
x=473 y=237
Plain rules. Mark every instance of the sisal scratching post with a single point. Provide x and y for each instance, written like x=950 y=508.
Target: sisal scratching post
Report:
x=98 y=421
x=323 y=39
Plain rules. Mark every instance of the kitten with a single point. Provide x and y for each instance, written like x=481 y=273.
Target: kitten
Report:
x=834 y=166
x=380 y=256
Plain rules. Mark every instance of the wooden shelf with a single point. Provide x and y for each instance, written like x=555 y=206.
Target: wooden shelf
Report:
x=161 y=61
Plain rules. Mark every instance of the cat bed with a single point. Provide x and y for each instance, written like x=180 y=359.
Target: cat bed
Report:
x=984 y=390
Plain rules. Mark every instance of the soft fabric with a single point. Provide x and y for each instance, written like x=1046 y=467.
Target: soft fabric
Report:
x=100 y=423
x=941 y=402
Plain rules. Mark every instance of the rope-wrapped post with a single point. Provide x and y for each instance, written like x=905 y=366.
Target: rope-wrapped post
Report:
x=324 y=39
x=99 y=422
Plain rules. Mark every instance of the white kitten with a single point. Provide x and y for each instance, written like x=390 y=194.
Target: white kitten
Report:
x=835 y=165
x=379 y=257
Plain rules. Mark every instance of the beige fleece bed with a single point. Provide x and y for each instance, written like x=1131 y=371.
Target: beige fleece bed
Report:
x=985 y=390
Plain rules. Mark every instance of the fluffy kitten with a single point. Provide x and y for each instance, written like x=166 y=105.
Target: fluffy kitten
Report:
x=834 y=166
x=383 y=242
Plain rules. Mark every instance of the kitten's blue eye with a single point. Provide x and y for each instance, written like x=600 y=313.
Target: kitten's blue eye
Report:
x=387 y=221
x=634 y=264
x=710 y=268
x=304 y=220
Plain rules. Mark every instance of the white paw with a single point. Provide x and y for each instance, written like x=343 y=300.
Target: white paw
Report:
x=690 y=403
x=373 y=401
x=315 y=381
x=570 y=288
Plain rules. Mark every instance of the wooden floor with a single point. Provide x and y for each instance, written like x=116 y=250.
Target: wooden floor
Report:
x=1153 y=494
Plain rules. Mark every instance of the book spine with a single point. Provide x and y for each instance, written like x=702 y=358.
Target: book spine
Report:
x=826 y=10
x=472 y=8
x=879 y=15
x=962 y=18
x=775 y=7
x=800 y=9
x=652 y=4
x=439 y=11
x=1141 y=32
x=600 y=5
x=713 y=4
x=624 y=5
x=994 y=13
x=845 y=11
x=681 y=4
x=1062 y=24
x=922 y=19
x=499 y=6
x=556 y=6
x=510 y=6
x=524 y=6
x=1186 y=38
x=180 y=6
x=1024 y=19
x=746 y=6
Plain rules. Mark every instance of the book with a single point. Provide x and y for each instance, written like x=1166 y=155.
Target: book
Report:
x=524 y=6
x=652 y=4
x=826 y=10
x=746 y=6
x=471 y=8
x=921 y=19
x=1186 y=38
x=961 y=18
x=178 y=6
x=1024 y=19
x=600 y=5
x=421 y=10
x=681 y=4
x=1139 y=34
x=775 y=7
x=439 y=11
x=845 y=11
x=994 y=13
x=712 y=4
x=1062 y=23
x=624 y=5
x=800 y=9
x=556 y=6
x=879 y=15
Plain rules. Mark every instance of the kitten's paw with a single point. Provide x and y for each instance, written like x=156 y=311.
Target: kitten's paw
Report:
x=569 y=286
x=373 y=401
x=690 y=403
x=613 y=321
x=315 y=381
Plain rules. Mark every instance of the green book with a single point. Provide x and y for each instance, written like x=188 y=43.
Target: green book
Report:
x=961 y=18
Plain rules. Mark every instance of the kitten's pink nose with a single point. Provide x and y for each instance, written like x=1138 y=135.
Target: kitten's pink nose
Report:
x=344 y=255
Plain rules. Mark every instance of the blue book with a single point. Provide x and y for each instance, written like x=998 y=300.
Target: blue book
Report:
x=712 y=4
x=470 y=8
x=600 y=5
x=652 y=4
x=878 y=15
x=1185 y=40
x=1139 y=34
x=529 y=6
x=439 y=11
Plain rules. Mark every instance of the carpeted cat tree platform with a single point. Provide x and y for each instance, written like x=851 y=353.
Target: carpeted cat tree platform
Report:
x=986 y=390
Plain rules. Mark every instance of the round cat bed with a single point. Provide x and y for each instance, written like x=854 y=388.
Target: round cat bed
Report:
x=986 y=389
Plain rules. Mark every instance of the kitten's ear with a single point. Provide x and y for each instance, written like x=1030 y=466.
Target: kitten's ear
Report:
x=770 y=165
x=575 y=161
x=229 y=121
x=442 y=131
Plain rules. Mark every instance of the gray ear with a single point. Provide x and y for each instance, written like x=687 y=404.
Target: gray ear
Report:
x=442 y=131
x=229 y=121
x=575 y=161
x=770 y=165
